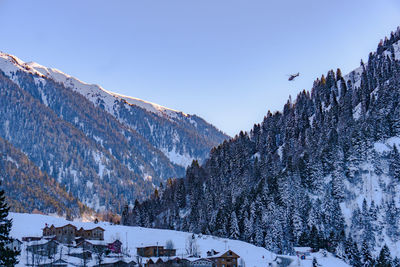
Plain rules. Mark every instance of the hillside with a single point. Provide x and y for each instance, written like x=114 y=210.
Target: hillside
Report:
x=324 y=172
x=94 y=142
x=133 y=237
x=29 y=189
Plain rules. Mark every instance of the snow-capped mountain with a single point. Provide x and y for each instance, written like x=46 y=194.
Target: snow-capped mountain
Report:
x=172 y=140
x=324 y=172
x=103 y=147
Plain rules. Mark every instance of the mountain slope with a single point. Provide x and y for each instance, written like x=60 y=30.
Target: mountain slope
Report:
x=100 y=159
x=181 y=137
x=324 y=172
x=28 y=189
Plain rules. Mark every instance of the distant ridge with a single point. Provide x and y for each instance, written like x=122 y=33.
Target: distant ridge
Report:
x=105 y=148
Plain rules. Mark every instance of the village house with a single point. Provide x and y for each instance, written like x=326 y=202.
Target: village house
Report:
x=68 y=233
x=43 y=247
x=155 y=251
x=96 y=233
x=225 y=259
x=31 y=238
x=64 y=234
x=202 y=263
x=115 y=247
x=92 y=245
x=117 y=263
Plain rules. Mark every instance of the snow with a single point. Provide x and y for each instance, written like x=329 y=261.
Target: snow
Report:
x=179 y=159
x=94 y=92
x=387 y=145
x=354 y=76
x=134 y=237
x=149 y=106
x=357 y=112
x=99 y=158
x=328 y=261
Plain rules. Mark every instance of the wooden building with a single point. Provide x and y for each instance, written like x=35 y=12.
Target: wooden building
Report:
x=64 y=234
x=43 y=247
x=68 y=233
x=202 y=263
x=115 y=246
x=155 y=251
x=225 y=259
x=96 y=233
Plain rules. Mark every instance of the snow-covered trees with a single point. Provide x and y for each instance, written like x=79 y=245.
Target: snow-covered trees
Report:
x=287 y=182
x=8 y=257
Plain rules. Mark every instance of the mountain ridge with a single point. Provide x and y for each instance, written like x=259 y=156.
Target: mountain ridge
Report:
x=109 y=101
x=104 y=154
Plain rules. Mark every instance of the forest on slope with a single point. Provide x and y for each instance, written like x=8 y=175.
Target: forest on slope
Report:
x=103 y=156
x=30 y=190
x=324 y=172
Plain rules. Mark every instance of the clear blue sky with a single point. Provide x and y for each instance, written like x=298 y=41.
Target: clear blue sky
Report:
x=225 y=60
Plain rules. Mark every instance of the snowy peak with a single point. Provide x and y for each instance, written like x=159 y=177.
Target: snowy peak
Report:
x=10 y=64
x=182 y=138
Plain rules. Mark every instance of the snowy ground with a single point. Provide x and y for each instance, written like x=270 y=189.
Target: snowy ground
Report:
x=133 y=237
x=325 y=261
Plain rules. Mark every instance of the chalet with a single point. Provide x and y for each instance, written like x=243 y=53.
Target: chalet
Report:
x=81 y=254
x=202 y=263
x=225 y=259
x=115 y=246
x=31 y=238
x=64 y=234
x=15 y=245
x=155 y=251
x=92 y=245
x=177 y=262
x=68 y=233
x=211 y=253
x=96 y=233
x=43 y=247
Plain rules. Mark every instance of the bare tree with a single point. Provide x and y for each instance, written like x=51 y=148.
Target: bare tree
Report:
x=169 y=244
x=192 y=249
x=99 y=255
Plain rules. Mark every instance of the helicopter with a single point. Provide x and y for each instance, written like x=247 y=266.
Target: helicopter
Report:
x=292 y=76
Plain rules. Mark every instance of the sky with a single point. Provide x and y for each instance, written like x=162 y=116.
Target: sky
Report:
x=224 y=60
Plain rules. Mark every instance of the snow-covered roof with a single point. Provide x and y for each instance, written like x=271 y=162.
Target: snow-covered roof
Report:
x=94 y=242
x=302 y=249
x=220 y=254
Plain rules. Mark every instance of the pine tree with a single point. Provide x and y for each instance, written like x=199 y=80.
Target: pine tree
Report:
x=384 y=258
x=314 y=238
x=394 y=166
x=366 y=257
x=8 y=257
x=234 y=228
